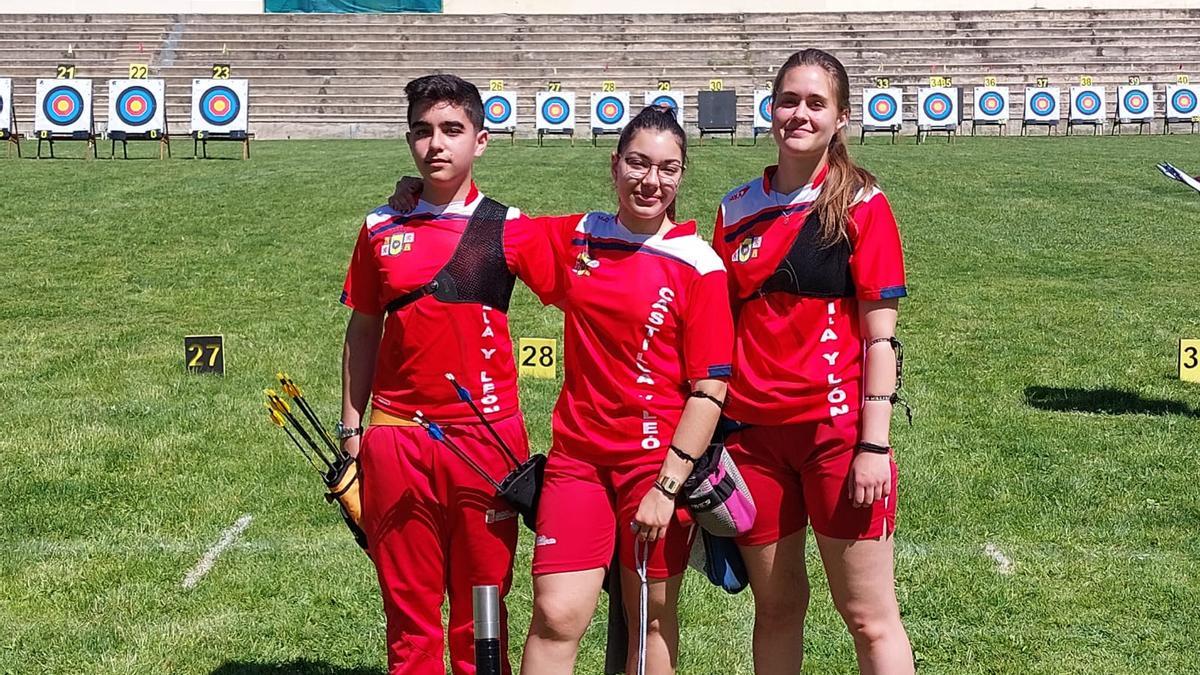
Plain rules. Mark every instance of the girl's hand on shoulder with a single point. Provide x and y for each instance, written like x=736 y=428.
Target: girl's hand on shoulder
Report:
x=407 y=194
x=870 y=478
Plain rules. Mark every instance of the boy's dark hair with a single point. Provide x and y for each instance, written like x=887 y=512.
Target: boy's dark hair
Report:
x=443 y=88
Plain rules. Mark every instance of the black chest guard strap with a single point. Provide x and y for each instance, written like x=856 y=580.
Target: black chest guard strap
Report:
x=811 y=269
x=476 y=271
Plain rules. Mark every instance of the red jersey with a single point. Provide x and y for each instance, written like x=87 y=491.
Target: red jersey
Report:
x=645 y=315
x=798 y=358
x=399 y=252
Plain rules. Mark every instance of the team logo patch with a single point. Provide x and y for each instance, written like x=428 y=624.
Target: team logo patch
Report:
x=584 y=264
x=397 y=243
x=740 y=193
x=747 y=250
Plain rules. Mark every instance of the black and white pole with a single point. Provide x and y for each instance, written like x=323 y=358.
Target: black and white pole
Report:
x=486 y=603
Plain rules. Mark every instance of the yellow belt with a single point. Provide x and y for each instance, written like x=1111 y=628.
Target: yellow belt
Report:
x=386 y=419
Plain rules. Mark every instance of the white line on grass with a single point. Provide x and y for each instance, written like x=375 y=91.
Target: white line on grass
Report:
x=229 y=536
x=1003 y=564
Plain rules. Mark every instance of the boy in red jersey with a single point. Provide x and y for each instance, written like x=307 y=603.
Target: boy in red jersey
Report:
x=430 y=290
x=816 y=272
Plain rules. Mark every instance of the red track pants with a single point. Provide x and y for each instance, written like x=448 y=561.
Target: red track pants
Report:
x=436 y=528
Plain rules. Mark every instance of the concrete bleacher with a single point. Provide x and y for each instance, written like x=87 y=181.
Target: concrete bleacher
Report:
x=343 y=75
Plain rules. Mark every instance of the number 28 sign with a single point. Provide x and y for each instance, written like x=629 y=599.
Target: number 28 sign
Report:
x=537 y=357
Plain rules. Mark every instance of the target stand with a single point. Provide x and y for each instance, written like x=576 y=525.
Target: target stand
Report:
x=1193 y=122
x=164 y=142
x=200 y=141
x=1142 y=124
x=569 y=133
x=12 y=137
x=51 y=137
x=1096 y=125
x=893 y=129
x=1001 y=126
x=1051 y=125
x=923 y=132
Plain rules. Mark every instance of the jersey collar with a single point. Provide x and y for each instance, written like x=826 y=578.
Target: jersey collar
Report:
x=456 y=207
x=769 y=173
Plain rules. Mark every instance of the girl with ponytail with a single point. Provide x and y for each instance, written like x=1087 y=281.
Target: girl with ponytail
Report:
x=815 y=273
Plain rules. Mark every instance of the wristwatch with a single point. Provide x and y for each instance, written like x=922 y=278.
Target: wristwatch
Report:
x=343 y=432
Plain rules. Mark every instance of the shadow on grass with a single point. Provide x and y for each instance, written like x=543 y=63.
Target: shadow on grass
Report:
x=1103 y=401
x=297 y=667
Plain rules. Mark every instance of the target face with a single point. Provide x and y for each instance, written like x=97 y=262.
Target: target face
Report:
x=765 y=107
x=991 y=103
x=664 y=102
x=938 y=107
x=555 y=110
x=881 y=106
x=1088 y=103
x=1182 y=101
x=500 y=111
x=1136 y=102
x=610 y=111
x=135 y=106
x=219 y=106
x=1042 y=103
x=5 y=106
x=63 y=106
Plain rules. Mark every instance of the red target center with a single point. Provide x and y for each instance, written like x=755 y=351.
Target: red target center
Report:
x=63 y=106
x=136 y=105
x=555 y=110
x=219 y=105
x=938 y=106
x=609 y=110
x=497 y=109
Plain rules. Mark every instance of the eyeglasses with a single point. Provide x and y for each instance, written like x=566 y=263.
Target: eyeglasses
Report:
x=669 y=172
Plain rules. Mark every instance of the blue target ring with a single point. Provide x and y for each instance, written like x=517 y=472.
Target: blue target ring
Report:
x=938 y=106
x=1088 y=103
x=63 y=106
x=555 y=110
x=764 y=107
x=664 y=101
x=497 y=110
x=610 y=110
x=220 y=105
x=1184 y=101
x=1136 y=101
x=882 y=107
x=1042 y=103
x=136 y=106
x=991 y=103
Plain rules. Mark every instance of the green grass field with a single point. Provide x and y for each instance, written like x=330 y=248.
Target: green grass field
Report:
x=1049 y=280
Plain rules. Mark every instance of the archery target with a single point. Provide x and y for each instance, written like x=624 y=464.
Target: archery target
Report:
x=991 y=104
x=762 y=108
x=937 y=107
x=1087 y=104
x=5 y=105
x=500 y=111
x=881 y=107
x=1181 y=100
x=135 y=106
x=555 y=110
x=220 y=106
x=610 y=110
x=671 y=99
x=1135 y=102
x=1041 y=104
x=63 y=106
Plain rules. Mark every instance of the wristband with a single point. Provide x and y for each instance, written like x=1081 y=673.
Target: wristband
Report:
x=875 y=448
x=683 y=455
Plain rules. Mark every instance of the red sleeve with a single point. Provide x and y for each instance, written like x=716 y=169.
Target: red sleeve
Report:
x=536 y=250
x=877 y=263
x=361 y=290
x=708 y=328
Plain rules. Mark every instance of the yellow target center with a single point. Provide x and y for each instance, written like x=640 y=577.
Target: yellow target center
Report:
x=136 y=106
x=62 y=106
x=220 y=105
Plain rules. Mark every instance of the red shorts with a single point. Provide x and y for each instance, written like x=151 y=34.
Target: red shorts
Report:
x=800 y=472
x=586 y=509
